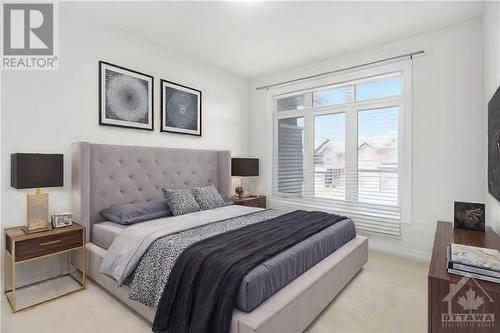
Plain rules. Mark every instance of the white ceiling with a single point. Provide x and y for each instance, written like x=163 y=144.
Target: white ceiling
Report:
x=252 y=39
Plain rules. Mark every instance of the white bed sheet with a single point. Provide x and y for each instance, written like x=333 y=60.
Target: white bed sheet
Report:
x=103 y=233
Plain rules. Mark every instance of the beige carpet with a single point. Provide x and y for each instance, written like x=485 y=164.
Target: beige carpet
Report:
x=388 y=295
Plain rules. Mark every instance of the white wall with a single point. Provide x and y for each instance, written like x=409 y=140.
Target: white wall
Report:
x=448 y=126
x=46 y=111
x=491 y=47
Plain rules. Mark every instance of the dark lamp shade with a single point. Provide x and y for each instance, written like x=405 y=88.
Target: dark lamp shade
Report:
x=36 y=170
x=245 y=167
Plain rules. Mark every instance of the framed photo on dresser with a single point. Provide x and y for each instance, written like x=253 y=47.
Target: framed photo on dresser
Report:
x=180 y=109
x=125 y=97
x=469 y=215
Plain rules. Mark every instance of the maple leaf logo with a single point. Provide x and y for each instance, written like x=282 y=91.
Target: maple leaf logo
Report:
x=470 y=301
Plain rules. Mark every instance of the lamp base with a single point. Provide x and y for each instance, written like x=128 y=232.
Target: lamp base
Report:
x=37 y=212
x=239 y=192
x=34 y=231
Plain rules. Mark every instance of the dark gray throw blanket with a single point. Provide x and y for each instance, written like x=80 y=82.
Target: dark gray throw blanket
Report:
x=201 y=290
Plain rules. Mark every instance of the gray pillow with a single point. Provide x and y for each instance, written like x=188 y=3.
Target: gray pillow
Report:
x=136 y=212
x=180 y=201
x=208 y=197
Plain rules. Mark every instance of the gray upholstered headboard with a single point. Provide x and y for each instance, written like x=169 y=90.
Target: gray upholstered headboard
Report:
x=107 y=175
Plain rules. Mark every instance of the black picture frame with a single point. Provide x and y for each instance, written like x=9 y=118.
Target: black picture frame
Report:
x=103 y=121
x=164 y=112
x=469 y=215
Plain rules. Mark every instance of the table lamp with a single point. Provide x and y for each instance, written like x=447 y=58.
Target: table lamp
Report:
x=36 y=171
x=244 y=167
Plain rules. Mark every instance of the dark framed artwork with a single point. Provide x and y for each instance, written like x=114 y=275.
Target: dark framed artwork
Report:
x=180 y=109
x=494 y=145
x=469 y=215
x=125 y=97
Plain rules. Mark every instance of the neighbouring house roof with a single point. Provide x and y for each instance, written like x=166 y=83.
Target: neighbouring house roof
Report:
x=320 y=147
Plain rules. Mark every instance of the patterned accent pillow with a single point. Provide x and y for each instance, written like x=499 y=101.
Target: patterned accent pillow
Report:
x=208 y=197
x=180 y=201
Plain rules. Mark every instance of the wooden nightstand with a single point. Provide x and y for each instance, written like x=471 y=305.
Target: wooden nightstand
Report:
x=258 y=201
x=21 y=247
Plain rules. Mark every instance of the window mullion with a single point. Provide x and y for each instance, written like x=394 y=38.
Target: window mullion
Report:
x=308 y=155
x=351 y=151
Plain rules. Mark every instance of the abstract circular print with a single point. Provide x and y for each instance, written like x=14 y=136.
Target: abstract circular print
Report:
x=182 y=109
x=126 y=98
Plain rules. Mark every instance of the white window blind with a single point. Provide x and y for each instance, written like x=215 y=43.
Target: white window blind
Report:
x=338 y=148
x=290 y=155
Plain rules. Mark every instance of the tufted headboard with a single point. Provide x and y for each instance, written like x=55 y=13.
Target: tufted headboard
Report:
x=106 y=175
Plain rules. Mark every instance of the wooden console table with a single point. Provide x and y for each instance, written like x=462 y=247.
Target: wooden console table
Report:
x=443 y=300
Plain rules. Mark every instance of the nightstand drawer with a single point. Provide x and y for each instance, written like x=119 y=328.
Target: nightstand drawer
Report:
x=41 y=246
x=259 y=202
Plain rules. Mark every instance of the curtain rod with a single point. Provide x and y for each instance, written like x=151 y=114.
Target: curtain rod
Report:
x=407 y=55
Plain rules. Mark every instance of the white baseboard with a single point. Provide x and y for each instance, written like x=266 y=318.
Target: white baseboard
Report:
x=377 y=245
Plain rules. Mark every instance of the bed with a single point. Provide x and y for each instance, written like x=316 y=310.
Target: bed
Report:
x=268 y=300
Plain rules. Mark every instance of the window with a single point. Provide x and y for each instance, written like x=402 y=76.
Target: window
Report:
x=329 y=156
x=378 y=156
x=341 y=147
x=331 y=96
x=294 y=102
x=378 y=89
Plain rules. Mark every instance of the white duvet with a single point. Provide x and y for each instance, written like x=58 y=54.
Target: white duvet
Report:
x=129 y=245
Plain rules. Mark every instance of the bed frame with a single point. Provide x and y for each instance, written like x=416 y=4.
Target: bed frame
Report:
x=105 y=175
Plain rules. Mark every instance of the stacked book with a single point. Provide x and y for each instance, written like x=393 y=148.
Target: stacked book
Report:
x=478 y=262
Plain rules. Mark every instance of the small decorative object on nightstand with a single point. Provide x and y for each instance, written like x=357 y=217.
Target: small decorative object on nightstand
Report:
x=21 y=247
x=61 y=220
x=244 y=168
x=469 y=215
x=36 y=171
x=256 y=201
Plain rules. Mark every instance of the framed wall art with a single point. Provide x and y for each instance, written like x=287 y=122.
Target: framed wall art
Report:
x=180 y=109
x=125 y=97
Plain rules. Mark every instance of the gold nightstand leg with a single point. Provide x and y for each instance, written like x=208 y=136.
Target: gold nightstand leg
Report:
x=13 y=261
x=6 y=273
x=84 y=261
x=4 y=270
x=68 y=263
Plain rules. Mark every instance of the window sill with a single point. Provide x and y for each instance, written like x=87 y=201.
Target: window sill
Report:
x=338 y=207
x=380 y=222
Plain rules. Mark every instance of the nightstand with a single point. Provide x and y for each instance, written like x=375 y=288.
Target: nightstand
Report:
x=21 y=247
x=257 y=201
